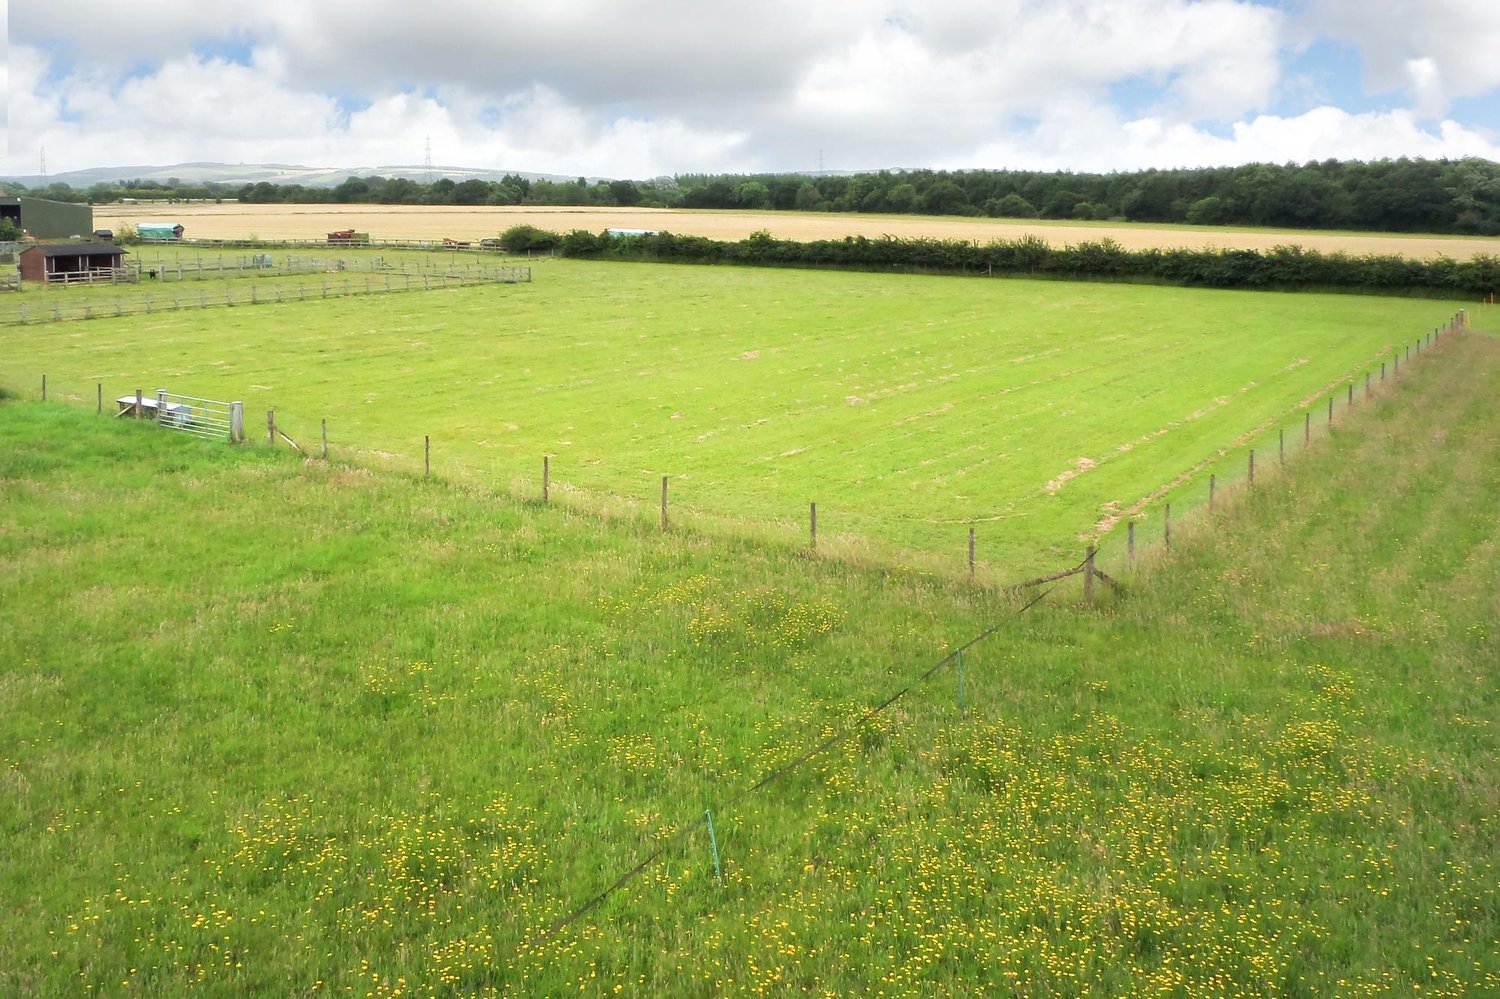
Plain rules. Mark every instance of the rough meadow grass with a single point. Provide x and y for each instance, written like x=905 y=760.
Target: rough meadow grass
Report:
x=270 y=725
x=1043 y=415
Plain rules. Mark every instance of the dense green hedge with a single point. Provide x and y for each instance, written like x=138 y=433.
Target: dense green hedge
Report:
x=1283 y=268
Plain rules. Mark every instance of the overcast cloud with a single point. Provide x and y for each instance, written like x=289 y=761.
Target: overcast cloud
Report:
x=604 y=88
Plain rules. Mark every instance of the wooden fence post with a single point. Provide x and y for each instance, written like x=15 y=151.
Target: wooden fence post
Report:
x=546 y=477
x=971 y=554
x=138 y=407
x=663 y=502
x=271 y=425
x=1367 y=385
x=99 y=391
x=1088 y=576
x=1281 y=445
x=237 y=422
x=1252 y=468
x=325 y=438
x=44 y=388
x=812 y=526
x=1350 y=400
x=426 y=456
x=1166 y=530
x=1330 y=411
x=1213 y=481
x=1130 y=542
x=1307 y=427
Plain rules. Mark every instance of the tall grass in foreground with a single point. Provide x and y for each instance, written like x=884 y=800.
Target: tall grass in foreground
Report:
x=270 y=726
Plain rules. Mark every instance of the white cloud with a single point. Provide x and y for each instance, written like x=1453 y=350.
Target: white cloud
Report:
x=598 y=87
x=1451 y=41
x=1102 y=143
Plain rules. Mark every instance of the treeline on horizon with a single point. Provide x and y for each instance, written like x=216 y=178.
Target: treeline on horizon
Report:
x=1282 y=268
x=1402 y=195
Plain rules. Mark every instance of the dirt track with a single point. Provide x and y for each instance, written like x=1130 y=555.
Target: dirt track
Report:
x=236 y=221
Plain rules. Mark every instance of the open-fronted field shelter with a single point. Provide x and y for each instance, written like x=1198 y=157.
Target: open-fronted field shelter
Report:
x=52 y=261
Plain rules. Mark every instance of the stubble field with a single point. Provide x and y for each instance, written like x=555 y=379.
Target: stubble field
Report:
x=392 y=222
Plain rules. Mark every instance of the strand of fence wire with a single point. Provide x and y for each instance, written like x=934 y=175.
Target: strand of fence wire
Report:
x=840 y=735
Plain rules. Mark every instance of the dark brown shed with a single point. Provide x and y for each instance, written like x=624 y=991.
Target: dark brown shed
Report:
x=49 y=261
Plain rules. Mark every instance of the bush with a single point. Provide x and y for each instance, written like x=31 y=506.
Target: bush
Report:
x=528 y=238
x=581 y=243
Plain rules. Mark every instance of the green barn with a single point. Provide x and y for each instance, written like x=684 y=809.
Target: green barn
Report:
x=47 y=219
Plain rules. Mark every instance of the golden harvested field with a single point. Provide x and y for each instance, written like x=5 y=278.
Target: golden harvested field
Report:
x=237 y=221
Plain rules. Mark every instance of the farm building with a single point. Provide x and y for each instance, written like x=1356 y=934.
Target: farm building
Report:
x=71 y=261
x=159 y=230
x=47 y=219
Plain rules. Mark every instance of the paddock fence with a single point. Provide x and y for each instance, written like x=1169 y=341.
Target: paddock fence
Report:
x=219 y=420
x=685 y=826
x=331 y=286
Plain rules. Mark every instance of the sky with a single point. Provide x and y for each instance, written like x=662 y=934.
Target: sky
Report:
x=609 y=88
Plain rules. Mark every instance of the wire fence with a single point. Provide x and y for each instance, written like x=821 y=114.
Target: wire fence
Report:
x=331 y=286
x=1389 y=370
x=214 y=267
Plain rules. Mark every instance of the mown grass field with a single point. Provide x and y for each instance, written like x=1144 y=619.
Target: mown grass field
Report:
x=1044 y=415
x=271 y=726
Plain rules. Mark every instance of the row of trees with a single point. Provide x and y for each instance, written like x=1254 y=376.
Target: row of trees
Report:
x=1405 y=195
x=1282 y=268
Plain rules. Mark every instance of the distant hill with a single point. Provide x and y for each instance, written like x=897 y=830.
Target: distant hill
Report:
x=274 y=173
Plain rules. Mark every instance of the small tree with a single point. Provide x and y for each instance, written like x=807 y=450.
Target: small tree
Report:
x=1012 y=206
x=10 y=231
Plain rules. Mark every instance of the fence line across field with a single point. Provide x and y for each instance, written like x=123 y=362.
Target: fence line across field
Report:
x=338 y=287
x=201 y=268
x=214 y=419
x=842 y=730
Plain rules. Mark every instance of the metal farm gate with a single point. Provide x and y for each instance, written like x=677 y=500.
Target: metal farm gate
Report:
x=207 y=418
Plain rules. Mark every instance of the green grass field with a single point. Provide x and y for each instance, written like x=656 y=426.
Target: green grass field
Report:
x=271 y=726
x=909 y=408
